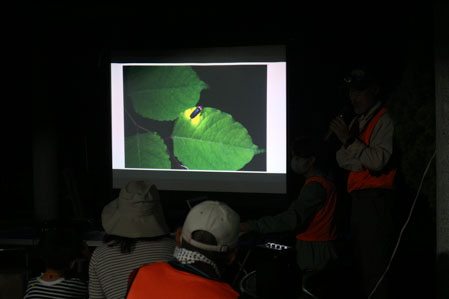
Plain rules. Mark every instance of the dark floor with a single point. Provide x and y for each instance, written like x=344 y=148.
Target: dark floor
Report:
x=411 y=274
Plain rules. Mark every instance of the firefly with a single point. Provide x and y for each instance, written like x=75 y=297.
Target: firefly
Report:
x=196 y=112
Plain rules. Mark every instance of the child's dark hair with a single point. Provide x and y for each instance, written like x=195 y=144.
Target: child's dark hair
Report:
x=59 y=248
x=307 y=146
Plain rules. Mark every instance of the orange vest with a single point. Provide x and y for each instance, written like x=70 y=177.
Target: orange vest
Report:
x=359 y=180
x=322 y=227
x=160 y=280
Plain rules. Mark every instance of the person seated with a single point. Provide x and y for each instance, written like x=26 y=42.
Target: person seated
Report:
x=208 y=245
x=136 y=234
x=59 y=250
x=312 y=215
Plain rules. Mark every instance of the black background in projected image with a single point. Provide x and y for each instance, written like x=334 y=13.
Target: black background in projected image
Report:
x=239 y=90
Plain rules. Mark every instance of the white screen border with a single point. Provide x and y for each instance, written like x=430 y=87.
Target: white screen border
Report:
x=276 y=115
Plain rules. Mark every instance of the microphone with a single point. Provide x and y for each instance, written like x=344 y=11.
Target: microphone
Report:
x=343 y=113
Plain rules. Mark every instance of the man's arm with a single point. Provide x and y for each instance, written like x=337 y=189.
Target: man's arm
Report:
x=378 y=153
x=346 y=161
x=310 y=201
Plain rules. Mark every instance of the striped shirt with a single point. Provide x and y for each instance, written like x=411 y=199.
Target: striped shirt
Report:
x=109 y=269
x=61 y=289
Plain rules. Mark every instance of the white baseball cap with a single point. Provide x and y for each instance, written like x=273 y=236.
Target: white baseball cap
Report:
x=218 y=219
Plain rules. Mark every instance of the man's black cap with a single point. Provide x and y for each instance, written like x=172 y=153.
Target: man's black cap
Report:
x=360 y=79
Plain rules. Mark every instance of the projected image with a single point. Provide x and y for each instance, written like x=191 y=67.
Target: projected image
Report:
x=202 y=117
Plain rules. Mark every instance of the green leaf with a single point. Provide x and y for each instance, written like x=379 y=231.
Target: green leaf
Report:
x=162 y=92
x=146 y=150
x=212 y=140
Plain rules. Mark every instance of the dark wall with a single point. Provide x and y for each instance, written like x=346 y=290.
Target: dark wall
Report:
x=63 y=51
x=56 y=63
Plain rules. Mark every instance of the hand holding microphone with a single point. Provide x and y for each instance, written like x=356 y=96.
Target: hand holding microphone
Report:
x=340 y=129
x=338 y=124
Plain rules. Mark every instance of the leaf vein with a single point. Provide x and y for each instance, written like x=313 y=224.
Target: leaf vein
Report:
x=214 y=142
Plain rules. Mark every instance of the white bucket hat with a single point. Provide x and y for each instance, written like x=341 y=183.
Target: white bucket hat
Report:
x=136 y=213
x=216 y=218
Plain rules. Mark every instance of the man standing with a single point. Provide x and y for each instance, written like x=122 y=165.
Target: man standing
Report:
x=366 y=152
